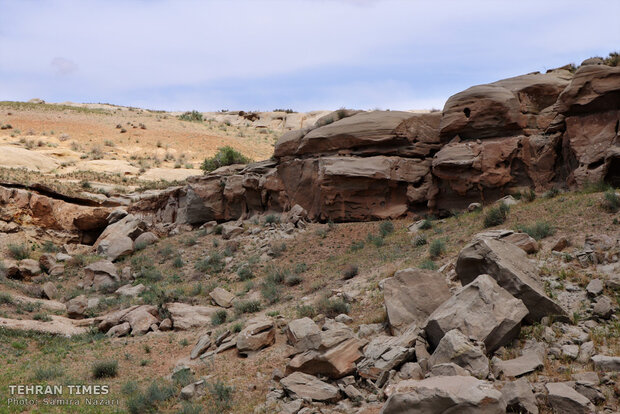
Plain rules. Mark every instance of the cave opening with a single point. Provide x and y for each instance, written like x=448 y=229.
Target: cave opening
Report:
x=467 y=112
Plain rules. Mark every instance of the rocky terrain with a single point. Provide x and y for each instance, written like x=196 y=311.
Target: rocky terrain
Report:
x=463 y=261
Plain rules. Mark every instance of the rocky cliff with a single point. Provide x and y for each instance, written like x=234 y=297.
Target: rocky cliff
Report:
x=540 y=130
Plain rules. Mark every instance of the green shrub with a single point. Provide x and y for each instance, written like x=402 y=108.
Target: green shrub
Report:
x=358 y=245
x=613 y=59
x=496 y=215
x=236 y=327
x=221 y=395
x=43 y=317
x=419 y=240
x=211 y=264
x=377 y=241
x=218 y=229
x=225 y=156
x=611 y=201
x=193 y=116
x=244 y=272
x=219 y=317
x=270 y=291
x=386 y=228
x=538 y=230
x=331 y=307
x=18 y=251
x=149 y=273
x=528 y=195
x=554 y=192
x=428 y=264
x=5 y=298
x=436 y=248
x=247 y=306
x=305 y=311
x=190 y=408
x=300 y=268
x=48 y=373
x=49 y=247
x=105 y=369
x=293 y=280
x=426 y=225
x=272 y=219
x=278 y=248
x=178 y=262
x=595 y=187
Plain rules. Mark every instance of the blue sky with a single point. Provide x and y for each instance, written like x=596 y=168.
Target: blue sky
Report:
x=299 y=54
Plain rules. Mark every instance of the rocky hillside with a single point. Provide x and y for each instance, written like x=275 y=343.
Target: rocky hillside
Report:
x=540 y=131
x=490 y=284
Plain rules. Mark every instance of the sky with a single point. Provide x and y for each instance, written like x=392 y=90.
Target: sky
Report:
x=298 y=54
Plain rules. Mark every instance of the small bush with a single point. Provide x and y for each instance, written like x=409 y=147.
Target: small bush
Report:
x=528 y=195
x=225 y=156
x=49 y=247
x=272 y=219
x=192 y=116
x=278 y=248
x=377 y=241
x=43 y=317
x=245 y=272
x=419 y=240
x=5 y=298
x=270 y=291
x=247 y=306
x=211 y=264
x=219 y=317
x=178 y=262
x=293 y=280
x=358 y=245
x=436 y=248
x=47 y=373
x=105 y=369
x=305 y=311
x=222 y=395
x=300 y=268
x=496 y=215
x=19 y=251
x=554 y=192
x=218 y=229
x=350 y=272
x=538 y=230
x=611 y=201
x=386 y=228
x=428 y=264
x=332 y=307
x=595 y=187
x=426 y=225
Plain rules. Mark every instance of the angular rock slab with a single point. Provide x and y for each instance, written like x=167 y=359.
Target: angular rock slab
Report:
x=309 y=387
x=510 y=267
x=303 y=334
x=412 y=295
x=530 y=361
x=480 y=310
x=259 y=333
x=186 y=316
x=456 y=347
x=564 y=399
x=334 y=363
x=519 y=397
x=440 y=395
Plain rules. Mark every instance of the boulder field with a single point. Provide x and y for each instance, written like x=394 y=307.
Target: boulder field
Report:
x=539 y=131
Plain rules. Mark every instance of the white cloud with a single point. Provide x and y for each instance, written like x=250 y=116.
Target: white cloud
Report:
x=158 y=49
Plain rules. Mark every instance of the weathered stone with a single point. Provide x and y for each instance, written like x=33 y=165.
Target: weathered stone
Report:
x=29 y=268
x=456 y=347
x=145 y=239
x=230 y=231
x=385 y=353
x=100 y=275
x=436 y=395
x=564 y=399
x=412 y=295
x=519 y=397
x=141 y=319
x=129 y=290
x=606 y=363
x=49 y=290
x=512 y=270
x=482 y=310
x=185 y=317
x=300 y=385
x=448 y=369
x=303 y=334
x=258 y=333
x=222 y=297
x=526 y=363
x=77 y=306
x=203 y=344
x=335 y=362
x=119 y=330
x=115 y=246
x=595 y=287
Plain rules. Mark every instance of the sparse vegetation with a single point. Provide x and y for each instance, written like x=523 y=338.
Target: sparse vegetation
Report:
x=105 y=369
x=611 y=201
x=538 y=230
x=436 y=248
x=225 y=156
x=18 y=251
x=192 y=116
x=496 y=215
x=331 y=307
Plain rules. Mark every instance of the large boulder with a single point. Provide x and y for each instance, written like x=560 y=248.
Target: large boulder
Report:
x=259 y=333
x=510 y=267
x=100 y=275
x=185 y=317
x=456 y=348
x=303 y=334
x=564 y=399
x=441 y=394
x=593 y=89
x=300 y=385
x=141 y=319
x=411 y=295
x=481 y=310
x=335 y=361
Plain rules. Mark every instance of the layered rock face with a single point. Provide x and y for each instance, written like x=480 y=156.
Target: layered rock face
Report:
x=536 y=130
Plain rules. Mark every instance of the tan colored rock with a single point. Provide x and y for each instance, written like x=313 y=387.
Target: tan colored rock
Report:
x=59 y=325
x=300 y=385
x=481 y=310
x=185 y=317
x=258 y=333
x=412 y=295
x=303 y=334
x=100 y=275
x=222 y=297
x=335 y=362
